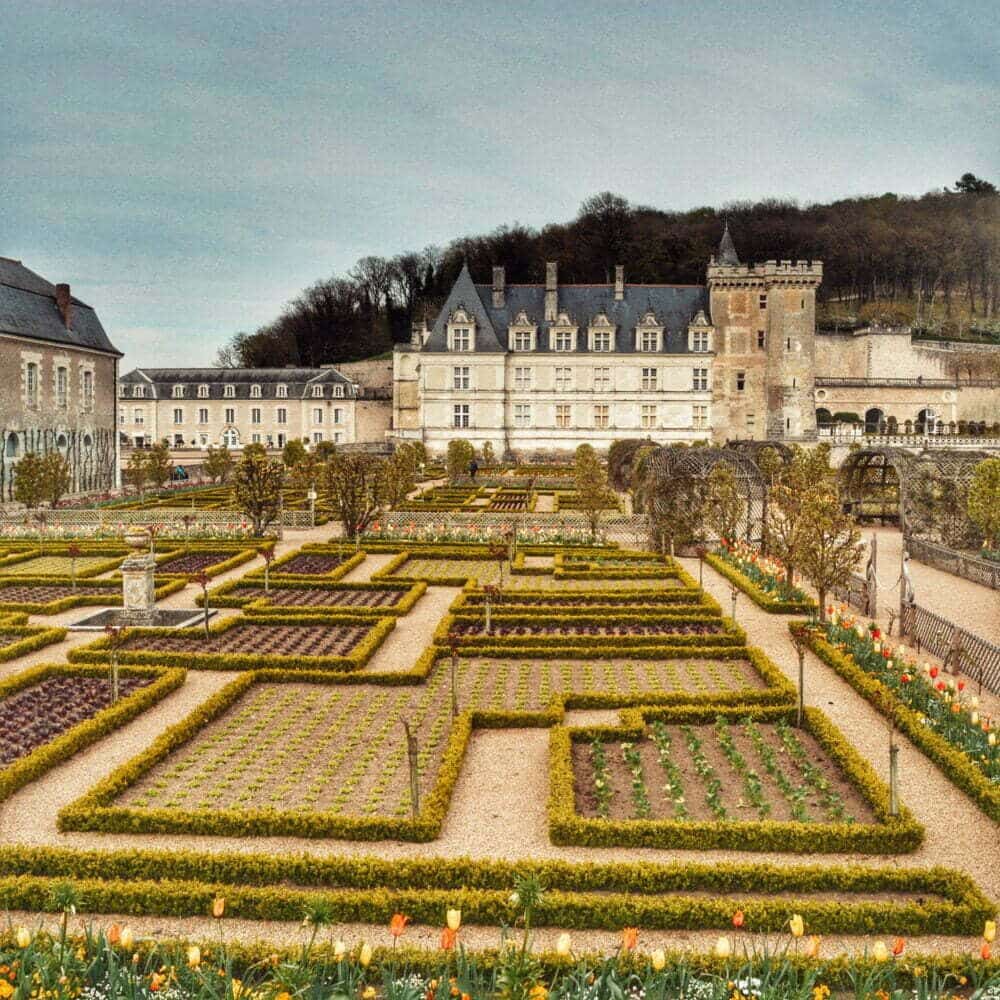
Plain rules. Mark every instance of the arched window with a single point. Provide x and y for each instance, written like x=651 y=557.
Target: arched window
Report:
x=231 y=437
x=338 y=391
x=873 y=420
x=88 y=441
x=823 y=417
x=255 y=392
x=62 y=442
x=11 y=447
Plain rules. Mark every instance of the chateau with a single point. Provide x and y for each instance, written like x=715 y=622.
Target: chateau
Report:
x=57 y=381
x=546 y=368
x=553 y=366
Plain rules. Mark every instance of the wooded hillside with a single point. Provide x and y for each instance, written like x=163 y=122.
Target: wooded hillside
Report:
x=932 y=261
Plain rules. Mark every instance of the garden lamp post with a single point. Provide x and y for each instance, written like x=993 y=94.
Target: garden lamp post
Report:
x=798 y=640
x=311 y=497
x=734 y=592
x=701 y=566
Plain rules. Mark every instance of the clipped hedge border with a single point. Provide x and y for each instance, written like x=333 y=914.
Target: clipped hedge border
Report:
x=26 y=769
x=587 y=896
x=952 y=762
x=224 y=597
x=761 y=598
x=34 y=637
x=238 y=558
x=888 y=835
x=379 y=629
x=61 y=552
x=113 y=598
x=275 y=573
x=667 y=599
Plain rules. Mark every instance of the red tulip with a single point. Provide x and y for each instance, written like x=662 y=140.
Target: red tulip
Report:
x=933 y=672
x=898 y=945
x=738 y=918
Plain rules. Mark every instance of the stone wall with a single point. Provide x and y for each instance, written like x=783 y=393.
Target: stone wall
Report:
x=374 y=377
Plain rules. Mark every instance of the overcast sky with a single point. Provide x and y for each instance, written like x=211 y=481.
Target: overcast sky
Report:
x=190 y=166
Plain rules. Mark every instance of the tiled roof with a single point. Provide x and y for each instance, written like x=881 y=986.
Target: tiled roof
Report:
x=28 y=309
x=673 y=305
x=299 y=381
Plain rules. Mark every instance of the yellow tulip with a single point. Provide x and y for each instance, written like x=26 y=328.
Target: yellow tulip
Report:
x=659 y=959
x=339 y=950
x=723 y=948
x=989 y=931
x=974 y=718
x=194 y=956
x=365 y=955
x=369 y=993
x=992 y=739
x=23 y=937
x=127 y=938
x=879 y=952
x=796 y=925
x=237 y=989
x=564 y=944
x=454 y=919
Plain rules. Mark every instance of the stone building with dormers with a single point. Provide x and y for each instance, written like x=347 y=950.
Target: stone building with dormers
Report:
x=192 y=408
x=58 y=370
x=545 y=368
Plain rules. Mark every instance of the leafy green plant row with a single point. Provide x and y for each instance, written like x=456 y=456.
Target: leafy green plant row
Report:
x=889 y=835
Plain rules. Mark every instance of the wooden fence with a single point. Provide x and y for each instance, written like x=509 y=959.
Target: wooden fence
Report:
x=969 y=567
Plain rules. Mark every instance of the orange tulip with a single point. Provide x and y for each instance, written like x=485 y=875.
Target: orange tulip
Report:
x=218 y=907
x=114 y=934
x=448 y=939
x=898 y=945
x=985 y=952
x=630 y=938
x=398 y=924
x=812 y=948
x=738 y=919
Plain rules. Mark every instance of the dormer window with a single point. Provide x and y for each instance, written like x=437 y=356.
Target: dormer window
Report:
x=649 y=334
x=461 y=331
x=700 y=341
x=317 y=391
x=139 y=392
x=602 y=334
x=338 y=391
x=461 y=339
x=229 y=391
x=281 y=391
x=564 y=340
x=203 y=392
x=521 y=333
x=523 y=340
x=178 y=392
x=255 y=392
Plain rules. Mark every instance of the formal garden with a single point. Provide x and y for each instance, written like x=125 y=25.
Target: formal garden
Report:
x=642 y=728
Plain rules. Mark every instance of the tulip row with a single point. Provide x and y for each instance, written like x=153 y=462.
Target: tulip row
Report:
x=768 y=596
x=952 y=760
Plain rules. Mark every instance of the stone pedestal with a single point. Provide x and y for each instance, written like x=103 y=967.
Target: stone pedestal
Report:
x=138 y=589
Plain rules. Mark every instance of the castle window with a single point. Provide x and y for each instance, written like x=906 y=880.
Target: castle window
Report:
x=601 y=341
x=602 y=416
x=178 y=440
x=461 y=378
x=763 y=301
x=229 y=391
x=11 y=446
x=138 y=415
x=602 y=380
x=255 y=415
x=563 y=416
x=788 y=343
x=461 y=339
x=281 y=416
x=281 y=391
x=139 y=391
x=178 y=416
x=317 y=391
x=650 y=378
x=522 y=414
x=88 y=390
x=648 y=417
x=795 y=383
x=522 y=340
x=700 y=379
x=62 y=387
x=317 y=415
x=564 y=379
x=563 y=340
x=203 y=392
x=31 y=384
x=649 y=341
x=741 y=381
x=761 y=340
x=751 y=423
x=255 y=392
x=460 y=415
x=699 y=417
x=338 y=415
x=203 y=415
x=522 y=379
x=338 y=391
x=699 y=341
x=230 y=415
x=178 y=392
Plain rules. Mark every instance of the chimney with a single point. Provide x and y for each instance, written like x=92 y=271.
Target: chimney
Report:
x=551 y=291
x=65 y=304
x=499 y=283
x=619 y=282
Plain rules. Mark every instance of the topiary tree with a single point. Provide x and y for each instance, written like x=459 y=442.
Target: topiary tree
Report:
x=29 y=480
x=829 y=544
x=488 y=455
x=293 y=453
x=56 y=477
x=593 y=494
x=158 y=464
x=218 y=464
x=137 y=470
x=258 y=485
x=984 y=501
x=460 y=454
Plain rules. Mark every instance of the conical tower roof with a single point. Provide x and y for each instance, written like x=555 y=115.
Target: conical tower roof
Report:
x=727 y=249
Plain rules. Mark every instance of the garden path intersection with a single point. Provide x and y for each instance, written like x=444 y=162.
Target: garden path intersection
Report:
x=610 y=714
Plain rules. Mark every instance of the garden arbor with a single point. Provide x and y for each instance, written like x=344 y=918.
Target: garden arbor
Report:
x=675 y=489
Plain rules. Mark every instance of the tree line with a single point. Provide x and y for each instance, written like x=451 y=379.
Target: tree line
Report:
x=887 y=258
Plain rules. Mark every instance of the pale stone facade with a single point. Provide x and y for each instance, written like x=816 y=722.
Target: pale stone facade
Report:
x=57 y=381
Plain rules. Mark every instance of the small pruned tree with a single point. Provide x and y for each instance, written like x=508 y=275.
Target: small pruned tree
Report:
x=29 y=480
x=357 y=484
x=460 y=454
x=400 y=477
x=984 y=501
x=829 y=544
x=488 y=455
x=137 y=471
x=218 y=464
x=725 y=508
x=158 y=464
x=56 y=477
x=293 y=453
x=305 y=473
x=258 y=485
x=593 y=493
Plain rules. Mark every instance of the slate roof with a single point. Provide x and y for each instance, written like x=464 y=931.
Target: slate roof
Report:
x=28 y=309
x=727 y=249
x=674 y=306
x=161 y=382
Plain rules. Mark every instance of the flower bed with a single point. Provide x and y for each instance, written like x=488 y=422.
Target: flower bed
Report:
x=341 y=642
x=761 y=579
x=684 y=780
x=443 y=534
x=309 y=563
x=942 y=720
x=45 y=595
x=35 y=563
x=681 y=600
x=19 y=640
x=51 y=712
x=189 y=561
x=315 y=597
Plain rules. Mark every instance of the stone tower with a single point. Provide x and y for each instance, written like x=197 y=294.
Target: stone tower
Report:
x=765 y=326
